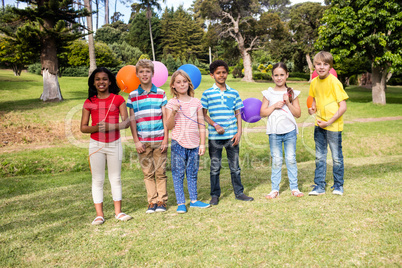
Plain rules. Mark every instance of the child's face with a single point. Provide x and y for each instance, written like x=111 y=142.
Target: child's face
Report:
x=279 y=76
x=322 y=69
x=180 y=85
x=102 y=82
x=220 y=75
x=145 y=75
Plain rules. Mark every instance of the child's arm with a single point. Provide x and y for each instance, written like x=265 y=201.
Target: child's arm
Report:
x=294 y=107
x=236 y=138
x=85 y=128
x=165 y=141
x=207 y=119
x=313 y=108
x=267 y=110
x=201 y=128
x=170 y=114
x=133 y=126
x=339 y=113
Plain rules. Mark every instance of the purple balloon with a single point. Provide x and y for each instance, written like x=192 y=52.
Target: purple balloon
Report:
x=251 y=110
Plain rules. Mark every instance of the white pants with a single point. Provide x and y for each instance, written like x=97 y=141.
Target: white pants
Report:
x=112 y=154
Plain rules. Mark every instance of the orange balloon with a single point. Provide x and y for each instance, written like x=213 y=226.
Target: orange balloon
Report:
x=309 y=101
x=127 y=79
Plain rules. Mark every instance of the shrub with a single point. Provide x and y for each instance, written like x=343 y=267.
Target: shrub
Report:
x=353 y=79
x=35 y=68
x=305 y=76
x=261 y=76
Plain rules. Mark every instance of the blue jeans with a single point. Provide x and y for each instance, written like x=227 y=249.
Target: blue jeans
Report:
x=184 y=161
x=322 y=139
x=275 y=144
x=215 y=153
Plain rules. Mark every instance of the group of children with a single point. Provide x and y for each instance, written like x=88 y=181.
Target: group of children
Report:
x=151 y=117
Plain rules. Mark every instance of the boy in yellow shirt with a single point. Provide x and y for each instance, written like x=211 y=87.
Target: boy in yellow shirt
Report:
x=329 y=105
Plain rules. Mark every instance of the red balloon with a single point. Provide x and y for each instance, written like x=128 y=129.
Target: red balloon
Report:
x=332 y=71
x=127 y=79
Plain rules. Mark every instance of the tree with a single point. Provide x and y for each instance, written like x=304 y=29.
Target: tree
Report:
x=238 y=20
x=139 y=36
x=148 y=6
x=91 y=43
x=364 y=28
x=117 y=32
x=52 y=17
x=181 y=35
x=126 y=53
x=305 y=19
x=79 y=54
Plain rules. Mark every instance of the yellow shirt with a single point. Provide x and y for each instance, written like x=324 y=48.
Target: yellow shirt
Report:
x=328 y=93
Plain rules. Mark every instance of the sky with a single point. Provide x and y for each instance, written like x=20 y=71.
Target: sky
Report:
x=126 y=10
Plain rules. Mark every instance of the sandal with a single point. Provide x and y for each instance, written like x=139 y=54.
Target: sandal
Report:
x=124 y=217
x=273 y=194
x=297 y=193
x=96 y=222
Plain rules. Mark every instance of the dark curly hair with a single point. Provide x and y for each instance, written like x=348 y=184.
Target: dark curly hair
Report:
x=289 y=89
x=214 y=65
x=113 y=88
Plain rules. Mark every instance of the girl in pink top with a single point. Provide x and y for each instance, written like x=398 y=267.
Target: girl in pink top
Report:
x=103 y=107
x=185 y=117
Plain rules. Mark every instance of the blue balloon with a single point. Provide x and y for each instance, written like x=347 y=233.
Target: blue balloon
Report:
x=193 y=72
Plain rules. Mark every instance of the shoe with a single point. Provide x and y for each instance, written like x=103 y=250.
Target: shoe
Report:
x=214 y=201
x=199 y=204
x=338 y=190
x=272 y=195
x=317 y=191
x=181 y=209
x=297 y=193
x=96 y=222
x=123 y=217
x=151 y=208
x=244 y=197
x=160 y=207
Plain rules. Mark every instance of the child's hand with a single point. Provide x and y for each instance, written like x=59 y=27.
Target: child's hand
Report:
x=236 y=139
x=286 y=98
x=102 y=126
x=219 y=129
x=322 y=124
x=312 y=110
x=201 y=150
x=279 y=105
x=140 y=147
x=176 y=108
x=164 y=145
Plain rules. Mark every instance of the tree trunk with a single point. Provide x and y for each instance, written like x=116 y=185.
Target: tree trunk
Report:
x=310 y=65
x=97 y=13
x=106 y=11
x=248 y=69
x=49 y=61
x=149 y=16
x=91 y=44
x=378 y=78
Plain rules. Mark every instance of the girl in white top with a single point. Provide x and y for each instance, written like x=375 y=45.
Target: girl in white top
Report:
x=185 y=117
x=281 y=105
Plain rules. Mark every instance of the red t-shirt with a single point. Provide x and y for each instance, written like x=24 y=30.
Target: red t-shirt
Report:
x=98 y=109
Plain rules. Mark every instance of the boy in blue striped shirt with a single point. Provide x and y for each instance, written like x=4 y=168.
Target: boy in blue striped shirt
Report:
x=224 y=130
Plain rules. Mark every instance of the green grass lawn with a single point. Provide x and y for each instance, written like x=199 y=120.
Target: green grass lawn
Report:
x=46 y=205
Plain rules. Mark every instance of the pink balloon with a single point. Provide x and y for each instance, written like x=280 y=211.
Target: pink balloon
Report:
x=160 y=74
x=332 y=71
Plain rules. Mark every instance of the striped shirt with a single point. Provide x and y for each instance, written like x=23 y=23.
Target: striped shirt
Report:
x=186 y=131
x=222 y=106
x=147 y=108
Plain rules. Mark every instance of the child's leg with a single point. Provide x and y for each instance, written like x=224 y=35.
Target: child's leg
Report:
x=335 y=144
x=147 y=166
x=159 y=159
x=290 y=158
x=215 y=153
x=321 y=143
x=275 y=145
x=114 y=159
x=97 y=162
x=233 y=159
x=178 y=157
x=192 y=172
